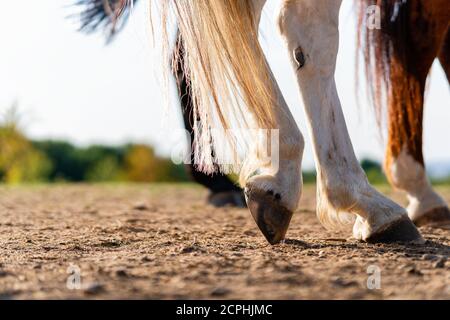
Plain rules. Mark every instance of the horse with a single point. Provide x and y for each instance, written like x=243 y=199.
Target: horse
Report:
x=229 y=78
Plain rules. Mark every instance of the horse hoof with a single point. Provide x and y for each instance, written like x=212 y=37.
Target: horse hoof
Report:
x=227 y=199
x=270 y=215
x=436 y=218
x=402 y=230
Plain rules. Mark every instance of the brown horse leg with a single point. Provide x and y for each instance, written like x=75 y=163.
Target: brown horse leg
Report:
x=404 y=159
x=444 y=55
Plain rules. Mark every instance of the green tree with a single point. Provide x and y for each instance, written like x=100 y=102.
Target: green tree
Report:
x=373 y=171
x=19 y=160
x=142 y=165
x=106 y=169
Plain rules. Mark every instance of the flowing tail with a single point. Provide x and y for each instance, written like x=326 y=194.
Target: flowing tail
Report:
x=224 y=63
x=394 y=82
x=227 y=70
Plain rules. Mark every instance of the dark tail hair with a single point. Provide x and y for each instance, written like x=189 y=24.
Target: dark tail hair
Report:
x=109 y=15
x=392 y=79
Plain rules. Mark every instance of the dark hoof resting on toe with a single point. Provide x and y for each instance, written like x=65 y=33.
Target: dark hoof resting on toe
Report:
x=402 y=230
x=437 y=218
x=227 y=199
x=270 y=215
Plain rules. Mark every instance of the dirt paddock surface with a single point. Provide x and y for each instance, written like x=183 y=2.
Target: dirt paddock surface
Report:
x=164 y=242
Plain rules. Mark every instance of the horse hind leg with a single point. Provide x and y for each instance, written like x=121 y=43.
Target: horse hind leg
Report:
x=404 y=163
x=407 y=173
x=310 y=31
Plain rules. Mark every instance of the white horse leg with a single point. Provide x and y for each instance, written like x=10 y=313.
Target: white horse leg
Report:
x=426 y=207
x=310 y=30
x=273 y=192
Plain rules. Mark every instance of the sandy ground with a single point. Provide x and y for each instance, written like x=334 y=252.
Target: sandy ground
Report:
x=164 y=242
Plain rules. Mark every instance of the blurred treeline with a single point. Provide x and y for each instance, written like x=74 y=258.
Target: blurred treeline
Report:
x=24 y=161
x=372 y=168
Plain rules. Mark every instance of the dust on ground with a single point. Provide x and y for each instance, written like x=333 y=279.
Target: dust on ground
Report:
x=165 y=242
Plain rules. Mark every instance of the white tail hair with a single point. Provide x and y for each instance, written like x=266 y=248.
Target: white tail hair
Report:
x=230 y=79
x=225 y=66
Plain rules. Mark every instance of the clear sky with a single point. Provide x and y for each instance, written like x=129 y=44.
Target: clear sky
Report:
x=72 y=86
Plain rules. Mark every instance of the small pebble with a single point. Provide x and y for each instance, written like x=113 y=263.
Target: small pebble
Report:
x=414 y=271
x=220 y=292
x=146 y=259
x=440 y=263
x=140 y=207
x=430 y=257
x=340 y=282
x=122 y=272
x=93 y=288
x=3 y=273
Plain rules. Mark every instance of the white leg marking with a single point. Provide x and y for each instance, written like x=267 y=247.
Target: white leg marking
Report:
x=409 y=175
x=311 y=27
x=286 y=179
